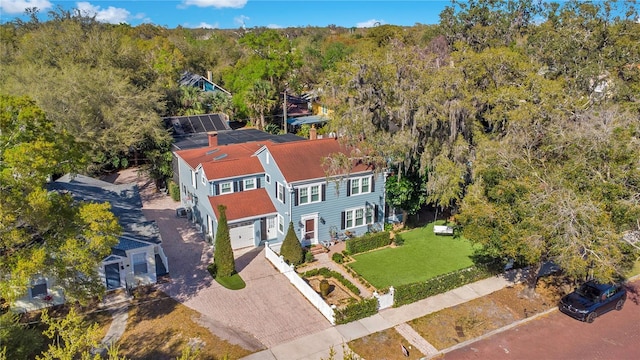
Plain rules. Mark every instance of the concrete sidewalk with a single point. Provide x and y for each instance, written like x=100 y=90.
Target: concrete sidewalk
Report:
x=316 y=346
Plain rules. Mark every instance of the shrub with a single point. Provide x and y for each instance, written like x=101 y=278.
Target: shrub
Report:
x=332 y=274
x=291 y=248
x=398 y=240
x=223 y=255
x=356 y=311
x=174 y=191
x=368 y=242
x=324 y=287
x=308 y=257
x=212 y=270
x=337 y=257
x=410 y=293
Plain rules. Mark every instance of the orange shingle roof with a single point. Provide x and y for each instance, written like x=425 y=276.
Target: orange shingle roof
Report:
x=302 y=160
x=232 y=168
x=243 y=204
x=218 y=154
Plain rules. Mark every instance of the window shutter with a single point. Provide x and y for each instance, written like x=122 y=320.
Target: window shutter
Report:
x=275 y=184
x=258 y=183
x=284 y=194
x=323 y=192
x=235 y=186
x=295 y=196
x=373 y=184
x=375 y=213
x=348 y=187
x=217 y=189
x=342 y=220
x=241 y=185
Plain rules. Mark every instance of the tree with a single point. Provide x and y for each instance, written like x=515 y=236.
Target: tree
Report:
x=46 y=233
x=223 y=253
x=291 y=248
x=71 y=337
x=260 y=101
x=403 y=193
x=18 y=340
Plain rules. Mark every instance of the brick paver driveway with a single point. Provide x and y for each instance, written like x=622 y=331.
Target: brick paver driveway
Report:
x=269 y=311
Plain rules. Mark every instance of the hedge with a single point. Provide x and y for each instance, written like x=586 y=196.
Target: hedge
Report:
x=410 y=293
x=356 y=311
x=334 y=274
x=368 y=242
x=174 y=191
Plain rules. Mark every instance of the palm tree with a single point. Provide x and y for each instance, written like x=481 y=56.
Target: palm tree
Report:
x=191 y=101
x=260 y=100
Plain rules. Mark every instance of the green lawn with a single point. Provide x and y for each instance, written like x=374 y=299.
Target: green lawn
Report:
x=423 y=256
x=233 y=282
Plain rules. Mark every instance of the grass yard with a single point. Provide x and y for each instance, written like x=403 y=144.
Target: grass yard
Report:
x=423 y=256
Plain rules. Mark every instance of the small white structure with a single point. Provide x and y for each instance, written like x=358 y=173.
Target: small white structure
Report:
x=442 y=230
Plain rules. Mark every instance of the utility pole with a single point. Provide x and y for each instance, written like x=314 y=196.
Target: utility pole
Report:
x=284 y=112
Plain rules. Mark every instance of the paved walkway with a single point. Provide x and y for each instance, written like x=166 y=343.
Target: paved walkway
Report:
x=316 y=346
x=324 y=260
x=268 y=312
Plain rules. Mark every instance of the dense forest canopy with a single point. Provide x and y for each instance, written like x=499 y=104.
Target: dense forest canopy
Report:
x=519 y=117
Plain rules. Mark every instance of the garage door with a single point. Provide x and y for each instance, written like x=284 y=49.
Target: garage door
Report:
x=241 y=236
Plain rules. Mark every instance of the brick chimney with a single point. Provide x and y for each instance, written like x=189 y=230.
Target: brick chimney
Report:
x=313 y=133
x=213 y=139
x=210 y=75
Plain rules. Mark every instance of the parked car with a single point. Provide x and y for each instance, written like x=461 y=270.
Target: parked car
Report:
x=592 y=299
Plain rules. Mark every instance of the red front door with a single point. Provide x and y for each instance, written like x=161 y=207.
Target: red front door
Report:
x=310 y=229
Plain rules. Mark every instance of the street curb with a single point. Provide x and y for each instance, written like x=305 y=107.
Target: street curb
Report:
x=491 y=333
x=504 y=328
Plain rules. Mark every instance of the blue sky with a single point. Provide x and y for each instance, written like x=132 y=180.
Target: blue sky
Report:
x=228 y=14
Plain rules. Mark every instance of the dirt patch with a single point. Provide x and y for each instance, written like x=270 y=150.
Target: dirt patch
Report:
x=160 y=328
x=384 y=344
x=477 y=317
x=338 y=295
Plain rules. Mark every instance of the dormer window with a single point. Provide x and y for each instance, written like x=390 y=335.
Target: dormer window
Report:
x=249 y=184
x=226 y=188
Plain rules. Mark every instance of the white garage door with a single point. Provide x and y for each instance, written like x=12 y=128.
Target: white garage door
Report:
x=241 y=236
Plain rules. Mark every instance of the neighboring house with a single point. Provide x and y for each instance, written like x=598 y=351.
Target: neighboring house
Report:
x=137 y=259
x=203 y=83
x=265 y=185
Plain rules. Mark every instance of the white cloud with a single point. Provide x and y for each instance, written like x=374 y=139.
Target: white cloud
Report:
x=370 y=23
x=218 y=4
x=241 y=20
x=110 y=15
x=202 y=25
x=19 y=6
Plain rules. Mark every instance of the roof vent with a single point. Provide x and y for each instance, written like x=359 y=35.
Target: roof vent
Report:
x=221 y=156
x=212 y=151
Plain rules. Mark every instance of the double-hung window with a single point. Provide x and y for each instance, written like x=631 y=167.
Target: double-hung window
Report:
x=249 y=184
x=358 y=217
x=226 y=188
x=355 y=186
x=309 y=194
x=281 y=192
x=281 y=224
x=360 y=185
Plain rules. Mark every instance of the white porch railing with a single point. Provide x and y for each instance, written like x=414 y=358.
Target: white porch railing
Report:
x=306 y=290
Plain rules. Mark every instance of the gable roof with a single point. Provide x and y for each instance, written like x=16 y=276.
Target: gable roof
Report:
x=302 y=160
x=126 y=205
x=190 y=79
x=246 y=204
x=221 y=154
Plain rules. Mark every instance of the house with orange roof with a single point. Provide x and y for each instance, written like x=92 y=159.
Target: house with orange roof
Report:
x=267 y=184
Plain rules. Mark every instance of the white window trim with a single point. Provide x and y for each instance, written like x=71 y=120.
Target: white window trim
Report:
x=352 y=211
x=280 y=193
x=252 y=187
x=280 y=224
x=309 y=187
x=133 y=263
x=230 y=183
x=359 y=180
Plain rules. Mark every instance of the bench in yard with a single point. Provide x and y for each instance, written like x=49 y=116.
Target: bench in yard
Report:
x=442 y=230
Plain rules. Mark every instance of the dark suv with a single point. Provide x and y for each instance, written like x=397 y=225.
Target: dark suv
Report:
x=593 y=299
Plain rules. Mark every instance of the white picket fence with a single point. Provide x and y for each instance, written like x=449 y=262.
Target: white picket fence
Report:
x=306 y=290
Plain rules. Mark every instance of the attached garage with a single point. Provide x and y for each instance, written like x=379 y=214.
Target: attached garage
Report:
x=242 y=235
